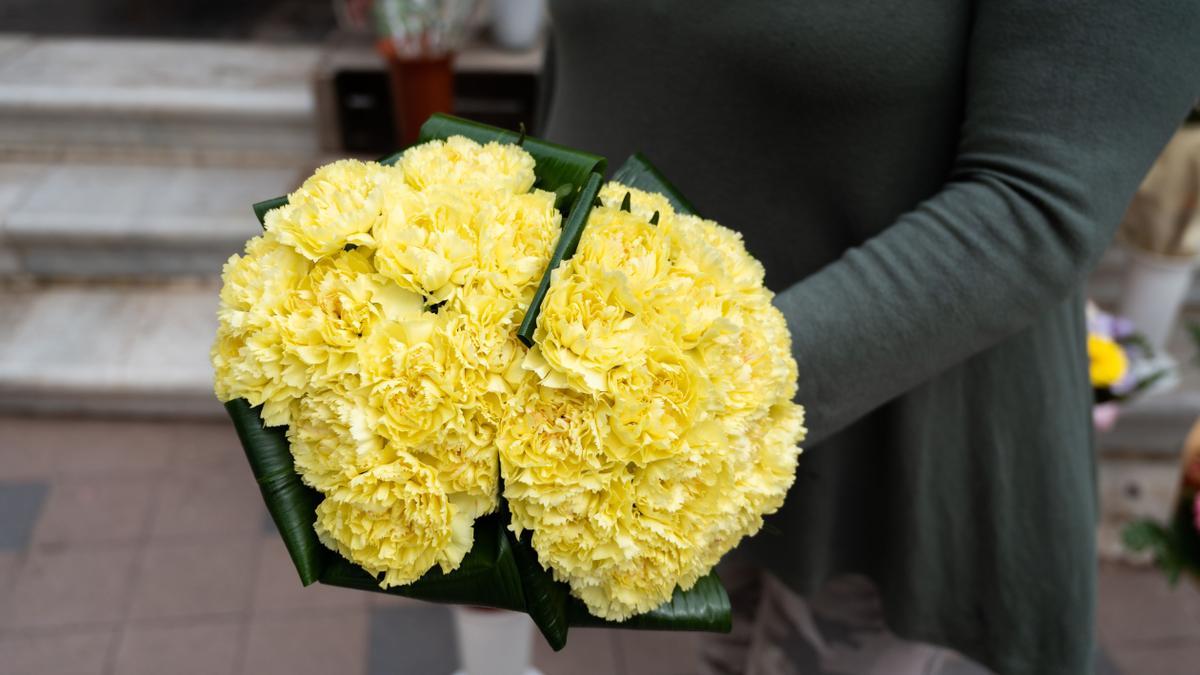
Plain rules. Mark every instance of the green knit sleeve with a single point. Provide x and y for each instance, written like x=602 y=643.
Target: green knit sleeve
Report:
x=1067 y=104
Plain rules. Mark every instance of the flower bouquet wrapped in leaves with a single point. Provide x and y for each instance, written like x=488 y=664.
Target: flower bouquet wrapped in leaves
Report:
x=471 y=373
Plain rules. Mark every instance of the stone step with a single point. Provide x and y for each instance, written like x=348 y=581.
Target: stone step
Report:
x=135 y=351
x=92 y=97
x=82 y=221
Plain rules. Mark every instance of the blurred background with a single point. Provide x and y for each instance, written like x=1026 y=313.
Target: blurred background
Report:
x=135 y=134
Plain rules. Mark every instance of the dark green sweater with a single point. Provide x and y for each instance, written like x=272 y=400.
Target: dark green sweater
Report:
x=927 y=182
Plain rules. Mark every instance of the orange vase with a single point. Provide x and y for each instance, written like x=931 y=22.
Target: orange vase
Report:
x=421 y=86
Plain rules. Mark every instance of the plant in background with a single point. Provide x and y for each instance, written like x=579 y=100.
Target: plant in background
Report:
x=1122 y=365
x=423 y=28
x=1175 y=545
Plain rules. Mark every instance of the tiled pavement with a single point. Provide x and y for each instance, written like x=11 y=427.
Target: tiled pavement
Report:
x=142 y=547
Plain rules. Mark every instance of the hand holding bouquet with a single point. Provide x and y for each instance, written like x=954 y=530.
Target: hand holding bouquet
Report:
x=429 y=383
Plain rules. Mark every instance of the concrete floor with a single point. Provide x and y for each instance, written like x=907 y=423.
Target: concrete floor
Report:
x=143 y=547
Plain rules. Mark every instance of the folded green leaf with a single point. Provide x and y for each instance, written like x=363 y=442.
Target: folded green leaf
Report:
x=545 y=599
x=703 y=607
x=261 y=208
x=568 y=241
x=291 y=503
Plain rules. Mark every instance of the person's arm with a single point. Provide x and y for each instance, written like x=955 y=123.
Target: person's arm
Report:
x=1068 y=103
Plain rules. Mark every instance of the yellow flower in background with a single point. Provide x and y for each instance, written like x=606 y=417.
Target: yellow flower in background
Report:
x=1107 y=361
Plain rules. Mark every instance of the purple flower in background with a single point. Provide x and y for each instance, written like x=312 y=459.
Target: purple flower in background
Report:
x=1110 y=326
x=1122 y=331
x=1115 y=327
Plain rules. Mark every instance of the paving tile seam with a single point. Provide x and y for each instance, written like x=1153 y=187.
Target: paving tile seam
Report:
x=242 y=646
x=139 y=562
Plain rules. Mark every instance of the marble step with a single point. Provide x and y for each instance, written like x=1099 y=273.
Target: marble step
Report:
x=109 y=350
x=84 y=221
x=94 y=97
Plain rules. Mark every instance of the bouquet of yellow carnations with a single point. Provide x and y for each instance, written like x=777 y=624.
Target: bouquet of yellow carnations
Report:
x=470 y=373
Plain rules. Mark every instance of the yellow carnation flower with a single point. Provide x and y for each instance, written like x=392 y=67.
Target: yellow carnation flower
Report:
x=624 y=243
x=336 y=206
x=252 y=365
x=739 y=271
x=461 y=161
x=551 y=453
x=517 y=235
x=412 y=388
x=395 y=520
x=653 y=405
x=340 y=301
x=256 y=285
x=588 y=325
x=480 y=331
x=248 y=355
x=426 y=240
x=749 y=360
x=332 y=438
x=464 y=459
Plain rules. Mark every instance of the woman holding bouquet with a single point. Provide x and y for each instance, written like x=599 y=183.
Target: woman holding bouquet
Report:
x=928 y=184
